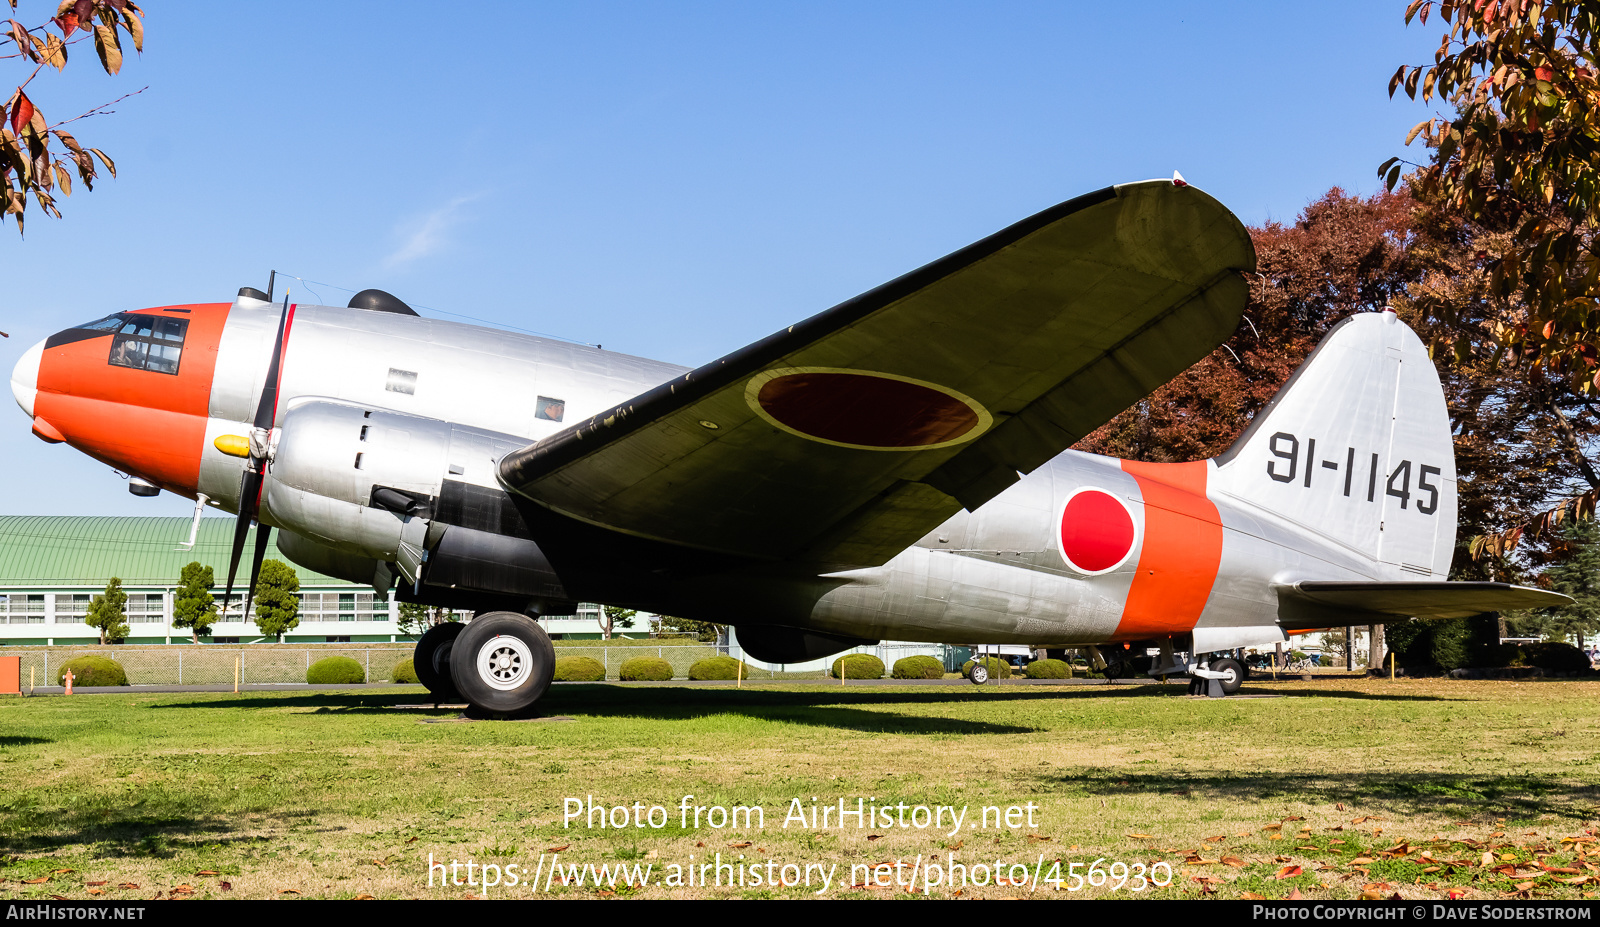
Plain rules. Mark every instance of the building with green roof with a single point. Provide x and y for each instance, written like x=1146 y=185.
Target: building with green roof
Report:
x=51 y=567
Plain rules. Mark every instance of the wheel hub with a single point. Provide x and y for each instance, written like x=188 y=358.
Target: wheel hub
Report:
x=504 y=662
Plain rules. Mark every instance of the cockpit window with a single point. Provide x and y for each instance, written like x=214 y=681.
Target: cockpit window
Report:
x=107 y=324
x=146 y=342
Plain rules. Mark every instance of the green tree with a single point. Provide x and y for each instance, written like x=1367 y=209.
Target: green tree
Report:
x=29 y=165
x=106 y=613
x=1578 y=576
x=276 y=603
x=613 y=617
x=415 y=618
x=702 y=630
x=194 y=608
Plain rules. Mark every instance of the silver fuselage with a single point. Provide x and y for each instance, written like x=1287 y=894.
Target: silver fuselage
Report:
x=421 y=401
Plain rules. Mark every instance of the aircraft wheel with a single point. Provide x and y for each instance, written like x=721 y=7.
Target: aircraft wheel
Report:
x=503 y=663
x=431 y=660
x=979 y=674
x=1232 y=674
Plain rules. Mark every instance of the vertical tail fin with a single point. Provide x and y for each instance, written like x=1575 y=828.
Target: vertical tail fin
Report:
x=1357 y=448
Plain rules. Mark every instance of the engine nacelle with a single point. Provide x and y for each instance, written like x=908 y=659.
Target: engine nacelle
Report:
x=359 y=494
x=329 y=460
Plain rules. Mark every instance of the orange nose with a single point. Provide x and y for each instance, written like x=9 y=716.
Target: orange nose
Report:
x=131 y=390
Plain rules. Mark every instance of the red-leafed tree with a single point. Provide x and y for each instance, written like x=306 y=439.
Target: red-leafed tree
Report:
x=1519 y=436
x=37 y=156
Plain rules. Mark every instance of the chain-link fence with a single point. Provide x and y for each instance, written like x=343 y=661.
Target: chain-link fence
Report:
x=212 y=665
x=178 y=665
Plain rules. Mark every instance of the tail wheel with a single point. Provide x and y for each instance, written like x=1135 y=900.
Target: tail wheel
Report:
x=1232 y=674
x=503 y=662
x=431 y=660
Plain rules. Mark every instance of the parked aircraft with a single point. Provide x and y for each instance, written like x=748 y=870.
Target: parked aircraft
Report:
x=856 y=476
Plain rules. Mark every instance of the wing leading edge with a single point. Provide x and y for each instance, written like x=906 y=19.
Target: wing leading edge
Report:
x=850 y=435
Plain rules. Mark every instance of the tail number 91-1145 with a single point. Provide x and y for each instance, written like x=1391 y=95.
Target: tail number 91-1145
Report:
x=1353 y=473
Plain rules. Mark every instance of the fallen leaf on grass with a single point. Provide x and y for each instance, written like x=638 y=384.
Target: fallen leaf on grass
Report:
x=208 y=872
x=128 y=885
x=226 y=886
x=1037 y=837
x=1214 y=839
x=1141 y=836
x=1253 y=896
x=288 y=891
x=365 y=897
x=1296 y=896
x=94 y=883
x=1233 y=861
x=39 y=881
x=184 y=889
x=745 y=843
x=1288 y=872
x=568 y=846
x=97 y=891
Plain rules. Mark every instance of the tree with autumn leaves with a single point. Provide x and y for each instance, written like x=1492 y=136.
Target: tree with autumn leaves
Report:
x=1517 y=165
x=1519 y=439
x=37 y=156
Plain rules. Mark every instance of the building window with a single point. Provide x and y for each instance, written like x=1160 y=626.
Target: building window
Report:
x=72 y=609
x=343 y=606
x=145 y=608
x=22 y=609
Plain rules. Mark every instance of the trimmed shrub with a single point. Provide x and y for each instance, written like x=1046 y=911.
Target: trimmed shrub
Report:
x=335 y=670
x=579 y=669
x=921 y=666
x=1555 y=656
x=859 y=666
x=998 y=668
x=404 y=671
x=92 y=671
x=719 y=668
x=645 y=669
x=1048 y=669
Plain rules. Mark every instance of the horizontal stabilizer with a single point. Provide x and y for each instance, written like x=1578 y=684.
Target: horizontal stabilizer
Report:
x=1331 y=604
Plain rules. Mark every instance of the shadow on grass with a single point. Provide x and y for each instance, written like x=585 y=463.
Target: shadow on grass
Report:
x=123 y=831
x=18 y=740
x=1479 y=798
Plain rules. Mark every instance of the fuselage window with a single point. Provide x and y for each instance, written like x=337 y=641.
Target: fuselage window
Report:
x=550 y=410
x=149 y=342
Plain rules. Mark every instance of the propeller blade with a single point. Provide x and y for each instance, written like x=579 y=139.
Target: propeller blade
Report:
x=254 y=473
x=267 y=406
x=263 y=533
x=249 y=495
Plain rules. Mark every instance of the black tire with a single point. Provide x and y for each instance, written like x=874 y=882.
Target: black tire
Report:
x=979 y=674
x=1233 y=676
x=503 y=663
x=431 y=660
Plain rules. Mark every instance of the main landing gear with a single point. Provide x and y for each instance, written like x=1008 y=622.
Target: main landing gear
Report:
x=1217 y=678
x=500 y=663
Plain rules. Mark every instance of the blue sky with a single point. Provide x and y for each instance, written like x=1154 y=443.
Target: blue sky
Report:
x=672 y=180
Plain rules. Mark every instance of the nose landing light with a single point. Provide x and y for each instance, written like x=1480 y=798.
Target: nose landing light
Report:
x=25 y=378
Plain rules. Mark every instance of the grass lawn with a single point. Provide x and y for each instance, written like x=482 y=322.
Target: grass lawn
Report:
x=1338 y=788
